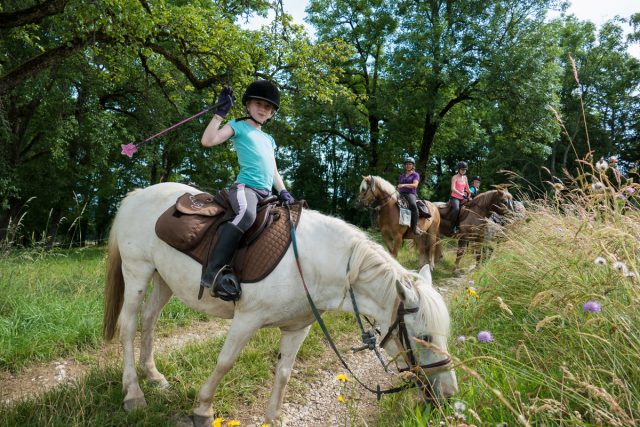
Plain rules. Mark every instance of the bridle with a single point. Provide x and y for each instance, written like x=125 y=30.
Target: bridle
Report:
x=368 y=338
x=404 y=341
x=377 y=205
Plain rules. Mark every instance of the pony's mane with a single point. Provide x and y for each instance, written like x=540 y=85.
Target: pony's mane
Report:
x=383 y=184
x=369 y=260
x=484 y=200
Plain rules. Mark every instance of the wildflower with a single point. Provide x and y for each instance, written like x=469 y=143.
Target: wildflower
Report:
x=621 y=267
x=459 y=406
x=592 y=307
x=265 y=425
x=630 y=275
x=630 y=190
x=341 y=398
x=471 y=282
x=613 y=160
x=461 y=339
x=342 y=377
x=217 y=422
x=597 y=186
x=602 y=164
x=472 y=292
x=600 y=261
x=558 y=187
x=233 y=423
x=485 y=336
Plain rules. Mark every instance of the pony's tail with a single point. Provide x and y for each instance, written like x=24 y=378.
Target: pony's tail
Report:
x=114 y=288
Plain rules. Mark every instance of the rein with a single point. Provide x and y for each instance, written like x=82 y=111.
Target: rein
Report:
x=368 y=338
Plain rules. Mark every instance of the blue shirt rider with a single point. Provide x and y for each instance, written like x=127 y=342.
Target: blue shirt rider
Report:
x=258 y=175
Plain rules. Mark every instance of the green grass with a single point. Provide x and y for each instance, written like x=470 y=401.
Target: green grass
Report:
x=551 y=363
x=51 y=305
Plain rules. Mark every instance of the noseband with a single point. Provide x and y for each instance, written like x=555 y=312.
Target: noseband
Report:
x=405 y=342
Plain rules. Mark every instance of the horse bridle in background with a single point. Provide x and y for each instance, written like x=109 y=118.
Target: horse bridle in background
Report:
x=375 y=204
x=369 y=339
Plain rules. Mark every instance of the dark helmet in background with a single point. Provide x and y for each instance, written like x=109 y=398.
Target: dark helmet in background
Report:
x=262 y=89
x=409 y=159
x=476 y=178
x=462 y=165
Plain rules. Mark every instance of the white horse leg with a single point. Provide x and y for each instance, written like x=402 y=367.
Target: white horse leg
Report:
x=160 y=295
x=290 y=343
x=136 y=279
x=241 y=330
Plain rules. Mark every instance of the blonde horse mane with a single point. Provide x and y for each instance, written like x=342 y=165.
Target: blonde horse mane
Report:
x=384 y=185
x=369 y=260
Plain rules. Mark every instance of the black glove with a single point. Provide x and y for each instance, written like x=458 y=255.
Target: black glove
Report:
x=226 y=99
x=286 y=198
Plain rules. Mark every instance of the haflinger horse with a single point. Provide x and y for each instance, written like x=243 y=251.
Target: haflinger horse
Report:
x=474 y=219
x=333 y=256
x=380 y=194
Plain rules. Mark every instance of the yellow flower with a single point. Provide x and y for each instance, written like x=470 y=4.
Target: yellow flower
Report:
x=265 y=425
x=342 y=377
x=341 y=398
x=233 y=423
x=217 y=422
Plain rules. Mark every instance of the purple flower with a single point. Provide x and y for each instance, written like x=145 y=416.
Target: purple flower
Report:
x=592 y=307
x=485 y=336
x=471 y=282
x=630 y=190
x=461 y=339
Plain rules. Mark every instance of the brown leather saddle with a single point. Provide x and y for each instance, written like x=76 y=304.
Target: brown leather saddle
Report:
x=423 y=208
x=190 y=226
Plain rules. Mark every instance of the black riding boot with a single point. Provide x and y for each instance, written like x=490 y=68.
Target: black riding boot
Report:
x=414 y=223
x=227 y=285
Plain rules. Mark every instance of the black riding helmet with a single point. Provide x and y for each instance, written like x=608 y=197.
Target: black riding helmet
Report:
x=462 y=165
x=262 y=89
x=476 y=178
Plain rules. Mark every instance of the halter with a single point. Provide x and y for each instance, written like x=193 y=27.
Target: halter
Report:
x=369 y=339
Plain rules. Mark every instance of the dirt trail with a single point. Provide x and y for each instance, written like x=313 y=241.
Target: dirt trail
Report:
x=307 y=403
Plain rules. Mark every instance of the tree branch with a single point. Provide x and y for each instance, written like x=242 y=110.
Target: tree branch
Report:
x=182 y=67
x=32 y=15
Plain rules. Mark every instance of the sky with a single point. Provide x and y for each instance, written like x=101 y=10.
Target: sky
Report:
x=596 y=11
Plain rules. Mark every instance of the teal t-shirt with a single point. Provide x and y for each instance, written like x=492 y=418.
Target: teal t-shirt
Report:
x=256 y=155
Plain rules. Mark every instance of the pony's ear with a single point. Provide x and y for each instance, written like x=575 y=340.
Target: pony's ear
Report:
x=403 y=291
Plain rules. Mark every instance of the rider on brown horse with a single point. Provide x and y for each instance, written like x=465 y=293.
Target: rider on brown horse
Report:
x=407 y=186
x=459 y=192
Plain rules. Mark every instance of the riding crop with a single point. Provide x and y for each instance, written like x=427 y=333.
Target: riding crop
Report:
x=130 y=149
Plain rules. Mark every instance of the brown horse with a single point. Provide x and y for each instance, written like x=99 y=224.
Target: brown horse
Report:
x=379 y=194
x=474 y=219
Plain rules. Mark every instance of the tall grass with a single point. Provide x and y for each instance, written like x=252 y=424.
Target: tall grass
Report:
x=556 y=358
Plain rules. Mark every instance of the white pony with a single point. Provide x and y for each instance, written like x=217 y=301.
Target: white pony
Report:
x=334 y=256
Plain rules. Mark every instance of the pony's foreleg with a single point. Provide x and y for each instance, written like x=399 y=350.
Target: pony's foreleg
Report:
x=241 y=330
x=150 y=312
x=136 y=279
x=462 y=245
x=290 y=343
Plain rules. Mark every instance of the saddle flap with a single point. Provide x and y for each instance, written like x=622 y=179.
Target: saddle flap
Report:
x=198 y=204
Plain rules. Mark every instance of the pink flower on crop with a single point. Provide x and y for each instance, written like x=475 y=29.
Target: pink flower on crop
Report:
x=485 y=336
x=592 y=307
x=128 y=149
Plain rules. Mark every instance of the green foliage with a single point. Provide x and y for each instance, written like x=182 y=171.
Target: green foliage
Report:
x=51 y=305
x=551 y=362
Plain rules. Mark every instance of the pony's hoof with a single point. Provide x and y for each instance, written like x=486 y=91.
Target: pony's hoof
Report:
x=133 y=404
x=201 y=421
x=161 y=383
